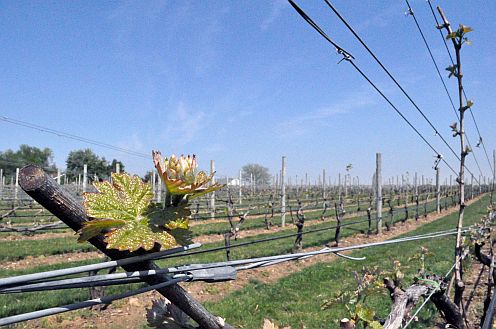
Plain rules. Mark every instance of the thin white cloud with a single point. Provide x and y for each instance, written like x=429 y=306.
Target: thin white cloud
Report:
x=307 y=122
x=185 y=123
x=275 y=13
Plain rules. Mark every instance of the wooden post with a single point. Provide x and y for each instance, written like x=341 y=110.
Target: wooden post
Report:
x=43 y=189
x=153 y=182
x=283 y=192
x=323 y=183
x=494 y=176
x=378 y=178
x=438 y=191
x=240 y=192
x=16 y=184
x=117 y=168
x=85 y=177
x=58 y=176
x=212 y=195
x=159 y=189
x=471 y=186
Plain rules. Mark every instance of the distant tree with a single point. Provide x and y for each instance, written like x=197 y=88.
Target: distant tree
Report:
x=10 y=160
x=148 y=177
x=260 y=173
x=113 y=164
x=96 y=165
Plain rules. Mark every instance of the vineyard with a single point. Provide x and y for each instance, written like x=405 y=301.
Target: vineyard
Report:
x=101 y=245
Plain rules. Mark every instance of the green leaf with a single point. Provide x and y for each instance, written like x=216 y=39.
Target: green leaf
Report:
x=451 y=35
x=162 y=216
x=465 y=29
x=126 y=198
x=95 y=227
x=375 y=325
x=182 y=236
x=137 y=234
x=364 y=313
x=123 y=214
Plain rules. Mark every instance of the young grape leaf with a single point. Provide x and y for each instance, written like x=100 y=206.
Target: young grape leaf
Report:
x=121 y=212
x=180 y=176
x=137 y=234
x=95 y=227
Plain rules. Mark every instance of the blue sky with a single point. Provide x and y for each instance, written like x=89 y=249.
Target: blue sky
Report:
x=238 y=82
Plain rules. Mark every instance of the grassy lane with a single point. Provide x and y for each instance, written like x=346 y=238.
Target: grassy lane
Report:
x=20 y=249
x=13 y=304
x=296 y=300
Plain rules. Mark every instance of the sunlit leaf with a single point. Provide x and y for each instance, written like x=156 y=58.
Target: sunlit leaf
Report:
x=375 y=325
x=96 y=227
x=451 y=35
x=180 y=223
x=126 y=198
x=162 y=216
x=123 y=213
x=465 y=29
x=137 y=234
x=364 y=313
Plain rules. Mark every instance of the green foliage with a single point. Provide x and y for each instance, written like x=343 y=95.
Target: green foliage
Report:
x=260 y=173
x=459 y=37
x=368 y=284
x=121 y=212
x=96 y=165
x=10 y=160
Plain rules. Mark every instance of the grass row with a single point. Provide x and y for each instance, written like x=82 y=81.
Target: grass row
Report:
x=20 y=249
x=296 y=300
x=13 y=304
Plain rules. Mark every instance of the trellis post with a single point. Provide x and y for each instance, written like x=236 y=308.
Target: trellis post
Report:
x=283 y=192
x=85 y=177
x=438 y=191
x=378 y=179
x=212 y=195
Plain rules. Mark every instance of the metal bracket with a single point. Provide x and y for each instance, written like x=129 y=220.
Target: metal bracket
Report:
x=216 y=274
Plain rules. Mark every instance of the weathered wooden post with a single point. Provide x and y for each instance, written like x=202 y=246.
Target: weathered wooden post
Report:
x=212 y=195
x=85 y=177
x=240 y=192
x=44 y=190
x=494 y=175
x=117 y=168
x=323 y=183
x=58 y=176
x=153 y=182
x=438 y=191
x=378 y=179
x=471 y=186
x=16 y=184
x=159 y=189
x=283 y=192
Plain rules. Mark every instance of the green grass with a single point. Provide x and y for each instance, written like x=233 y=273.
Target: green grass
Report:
x=296 y=299
x=14 y=304
x=20 y=249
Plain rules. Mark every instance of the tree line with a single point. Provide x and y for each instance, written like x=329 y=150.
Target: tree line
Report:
x=99 y=166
